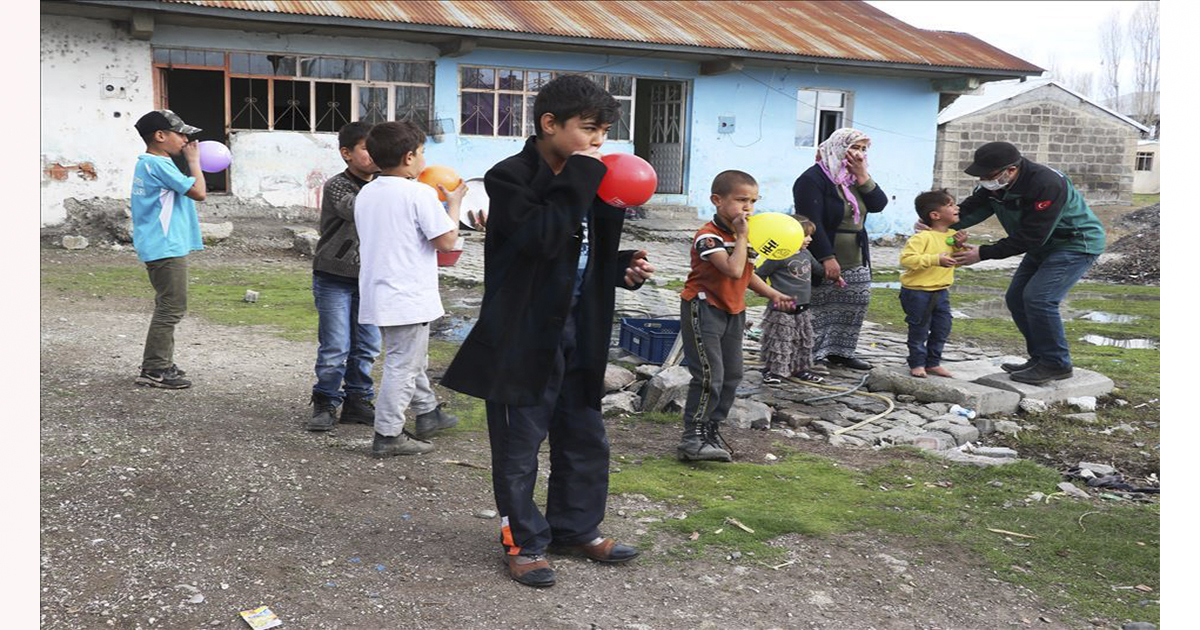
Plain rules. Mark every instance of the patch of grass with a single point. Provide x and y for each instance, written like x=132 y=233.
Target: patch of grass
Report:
x=1140 y=200
x=285 y=302
x=942 y=506
x=658 y=417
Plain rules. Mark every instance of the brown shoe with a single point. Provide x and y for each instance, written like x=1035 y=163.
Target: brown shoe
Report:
x=537 y=574
x=607 y=551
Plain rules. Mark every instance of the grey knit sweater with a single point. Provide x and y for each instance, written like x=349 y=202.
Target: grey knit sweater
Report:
x=337 y=249
x=794 y=276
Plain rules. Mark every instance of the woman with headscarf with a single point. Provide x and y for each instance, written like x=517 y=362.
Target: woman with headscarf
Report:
x=836 y=193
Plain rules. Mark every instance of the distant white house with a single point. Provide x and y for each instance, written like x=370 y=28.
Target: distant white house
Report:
x=1145 y=168
x=1052 y=125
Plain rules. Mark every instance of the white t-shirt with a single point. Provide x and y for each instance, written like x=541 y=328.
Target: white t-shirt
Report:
x=398 y=279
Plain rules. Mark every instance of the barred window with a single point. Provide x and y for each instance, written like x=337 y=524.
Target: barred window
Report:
x=498 y=102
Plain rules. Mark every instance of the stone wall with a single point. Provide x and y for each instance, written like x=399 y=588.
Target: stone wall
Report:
x=1052 y=127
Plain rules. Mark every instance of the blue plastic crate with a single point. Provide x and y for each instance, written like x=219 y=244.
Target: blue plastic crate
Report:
x=650 y=339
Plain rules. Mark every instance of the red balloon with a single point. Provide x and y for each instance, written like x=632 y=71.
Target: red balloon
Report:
x=630 y=180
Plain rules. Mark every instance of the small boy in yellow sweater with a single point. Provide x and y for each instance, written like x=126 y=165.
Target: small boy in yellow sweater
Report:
x=925 y=283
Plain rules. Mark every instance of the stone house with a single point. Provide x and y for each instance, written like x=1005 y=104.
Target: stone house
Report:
x=1095 y=146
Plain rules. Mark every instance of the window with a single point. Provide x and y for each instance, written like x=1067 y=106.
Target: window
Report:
x=1145 y=161
x=499 y=101
x=292 y=93
x=818 y=114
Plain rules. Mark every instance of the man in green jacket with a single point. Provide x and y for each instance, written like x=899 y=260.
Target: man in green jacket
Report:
x=1047 y=220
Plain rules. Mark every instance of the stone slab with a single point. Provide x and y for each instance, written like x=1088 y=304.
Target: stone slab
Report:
x=979 y=368
x=934 y=441
x=1082 y=383
x=983 y=399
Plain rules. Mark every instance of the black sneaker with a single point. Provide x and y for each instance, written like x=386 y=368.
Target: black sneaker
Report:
x=166 y=379
x=1041 y=373
x=358 y=409
x=853 y=363
x=433 y=422
x=324 y=413
x=403 y=444
x=178 y=372
x=1017 y=367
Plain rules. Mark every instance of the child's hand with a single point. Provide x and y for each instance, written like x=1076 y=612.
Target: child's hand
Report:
x=454 y=197
x=783 y=303
x=191 y=151
x=946 y=260
x=960 y=238
x=591 y=152
x=740 y=226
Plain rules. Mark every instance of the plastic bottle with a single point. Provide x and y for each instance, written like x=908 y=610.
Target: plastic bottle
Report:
x=969 y=414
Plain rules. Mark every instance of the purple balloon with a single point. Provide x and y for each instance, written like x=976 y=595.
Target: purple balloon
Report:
x=214 y=156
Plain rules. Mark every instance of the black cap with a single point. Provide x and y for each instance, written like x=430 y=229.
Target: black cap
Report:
x=163 y=119
x=992 y=157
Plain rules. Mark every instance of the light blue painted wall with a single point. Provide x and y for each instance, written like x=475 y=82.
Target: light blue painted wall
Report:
x=900 y=116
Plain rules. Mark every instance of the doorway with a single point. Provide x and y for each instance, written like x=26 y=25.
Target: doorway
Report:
x=659 y=134
x=198 y=96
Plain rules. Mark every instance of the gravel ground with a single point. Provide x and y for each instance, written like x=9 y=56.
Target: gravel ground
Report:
x=177 y=509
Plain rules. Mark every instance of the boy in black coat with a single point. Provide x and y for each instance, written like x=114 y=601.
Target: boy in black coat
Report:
x=538 y=352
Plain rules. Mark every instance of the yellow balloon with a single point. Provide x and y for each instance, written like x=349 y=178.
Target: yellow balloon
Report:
x=775 y=235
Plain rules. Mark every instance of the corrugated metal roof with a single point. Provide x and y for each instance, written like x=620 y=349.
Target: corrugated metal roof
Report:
x=998 y=91
x=836 y=30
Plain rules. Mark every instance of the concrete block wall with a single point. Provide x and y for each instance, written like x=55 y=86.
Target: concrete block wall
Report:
x=1051 y=127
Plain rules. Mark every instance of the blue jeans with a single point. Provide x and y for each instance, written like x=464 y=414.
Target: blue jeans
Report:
x=347 y=348
x=927 y=314
x=1034 y=295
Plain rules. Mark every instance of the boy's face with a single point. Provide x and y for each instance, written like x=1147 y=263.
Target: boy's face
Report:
x=946 y=215
x=358 y=159
x=740 y=200
x=172 y=142
x=576 y=134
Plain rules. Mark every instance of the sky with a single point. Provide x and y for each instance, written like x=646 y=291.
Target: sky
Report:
x=1039 y=32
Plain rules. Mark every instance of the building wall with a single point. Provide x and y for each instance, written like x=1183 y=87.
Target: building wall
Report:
x=286 y=168
x=1146 y=182
x=1051 y=127
x=88 y=144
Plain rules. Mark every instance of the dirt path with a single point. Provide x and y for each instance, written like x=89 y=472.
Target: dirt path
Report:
x=151 y=497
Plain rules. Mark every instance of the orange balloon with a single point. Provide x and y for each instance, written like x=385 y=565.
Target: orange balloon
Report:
x=444 y=175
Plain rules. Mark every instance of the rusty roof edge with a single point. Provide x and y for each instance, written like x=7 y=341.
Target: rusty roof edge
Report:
x=518 y=36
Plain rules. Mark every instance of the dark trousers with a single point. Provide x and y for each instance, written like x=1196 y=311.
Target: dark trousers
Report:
x=712 y=343
x=168 y=276
x=1034 y=295
x=578 y=487
x=927 y=314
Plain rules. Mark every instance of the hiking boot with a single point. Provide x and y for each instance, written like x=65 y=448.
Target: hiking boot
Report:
x=324 y=413
x=697 y=447
x=433 y=422
x=166 y=379
x=358 y=409
x=1041 y=373
x=1017 y=367
x=403 y=444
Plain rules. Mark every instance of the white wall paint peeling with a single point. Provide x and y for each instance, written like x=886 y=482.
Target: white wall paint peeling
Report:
x=86 y=128
x=283 y=168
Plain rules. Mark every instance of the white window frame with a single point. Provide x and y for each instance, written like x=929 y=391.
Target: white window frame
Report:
x=1148 y=157
x=527 y=124
x=846 y=110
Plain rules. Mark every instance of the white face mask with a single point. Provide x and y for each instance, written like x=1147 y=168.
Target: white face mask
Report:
x=994 y=184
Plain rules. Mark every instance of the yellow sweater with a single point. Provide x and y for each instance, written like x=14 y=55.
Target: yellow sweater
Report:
x=920 y=261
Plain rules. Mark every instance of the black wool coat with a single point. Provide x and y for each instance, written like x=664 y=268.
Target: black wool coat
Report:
x=531 y=258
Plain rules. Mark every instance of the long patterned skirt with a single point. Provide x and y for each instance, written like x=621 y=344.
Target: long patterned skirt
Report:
x=838 y=313
x=787 y=341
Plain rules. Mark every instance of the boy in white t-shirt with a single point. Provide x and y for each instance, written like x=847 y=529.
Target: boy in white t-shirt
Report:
x=401 y=227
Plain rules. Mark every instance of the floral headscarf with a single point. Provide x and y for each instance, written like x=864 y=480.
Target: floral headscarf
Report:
x=831 y=155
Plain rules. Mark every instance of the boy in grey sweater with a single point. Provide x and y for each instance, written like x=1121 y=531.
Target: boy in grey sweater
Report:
x=347 y=349
x=787 y=340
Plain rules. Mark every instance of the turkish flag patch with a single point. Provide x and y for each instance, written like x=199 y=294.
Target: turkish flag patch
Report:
x=1041 y=205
